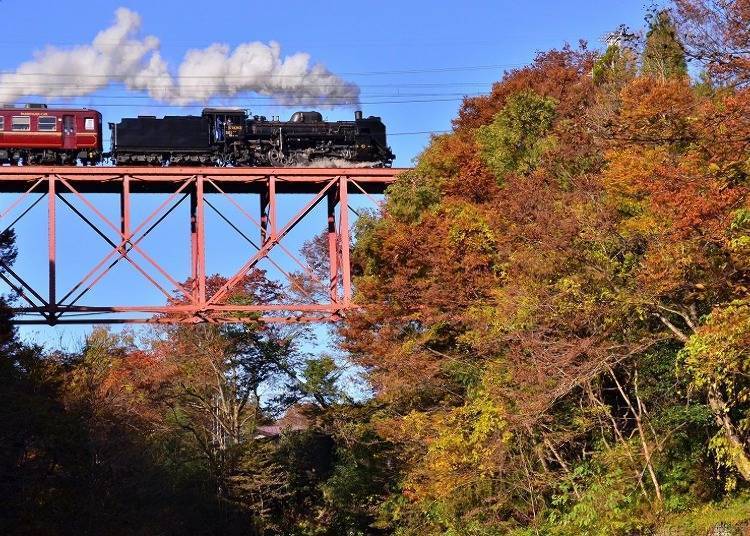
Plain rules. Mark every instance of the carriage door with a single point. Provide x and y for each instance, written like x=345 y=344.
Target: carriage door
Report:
x=69 y=132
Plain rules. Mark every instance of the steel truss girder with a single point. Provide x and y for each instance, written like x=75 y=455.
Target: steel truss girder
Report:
x=194 y=304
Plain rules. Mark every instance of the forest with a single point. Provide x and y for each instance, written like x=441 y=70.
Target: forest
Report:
x=552 y=336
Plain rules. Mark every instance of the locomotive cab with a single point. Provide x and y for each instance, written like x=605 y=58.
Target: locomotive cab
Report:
x=225 y=124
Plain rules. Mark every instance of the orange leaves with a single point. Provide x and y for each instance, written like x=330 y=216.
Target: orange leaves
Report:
x=678 y=207
x=485 y=265
x=454 y=161
x=724 y=132
x=474 y=182
x=560 y=74
x=681 y=194
x=631 y=221
x=446 y=154
x=657 y=111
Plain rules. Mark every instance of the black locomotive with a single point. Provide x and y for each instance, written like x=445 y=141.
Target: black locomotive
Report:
x=229 y=137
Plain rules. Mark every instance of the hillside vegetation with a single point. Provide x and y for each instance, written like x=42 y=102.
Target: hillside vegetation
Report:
x=553 y=326
x=556 y=312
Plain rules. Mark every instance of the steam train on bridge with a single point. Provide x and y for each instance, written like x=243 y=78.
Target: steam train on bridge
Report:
x=37 y=135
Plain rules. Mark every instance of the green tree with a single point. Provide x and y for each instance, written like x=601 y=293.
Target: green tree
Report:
x=519 y=135
x=663 y=53
x=717 y=360
x=618 y=64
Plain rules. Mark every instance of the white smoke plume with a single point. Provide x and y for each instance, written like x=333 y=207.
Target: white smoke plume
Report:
x=119 y=54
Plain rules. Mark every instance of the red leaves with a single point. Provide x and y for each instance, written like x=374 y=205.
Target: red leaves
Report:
x=656 y=111
x=717 y=33
x=560 y=74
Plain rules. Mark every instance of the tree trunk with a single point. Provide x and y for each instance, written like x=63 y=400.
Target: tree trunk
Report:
x=736 y=445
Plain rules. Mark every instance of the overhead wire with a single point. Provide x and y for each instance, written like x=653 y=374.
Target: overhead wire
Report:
x=243 y=95
x=419 y=132
x=339 y=73
x=79 y=85
x=96 y=86
x=260 y=105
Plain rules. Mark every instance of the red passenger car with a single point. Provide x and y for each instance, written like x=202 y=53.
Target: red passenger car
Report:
x=36 y=134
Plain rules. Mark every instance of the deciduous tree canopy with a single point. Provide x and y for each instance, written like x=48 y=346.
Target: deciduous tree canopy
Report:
x=551 y=334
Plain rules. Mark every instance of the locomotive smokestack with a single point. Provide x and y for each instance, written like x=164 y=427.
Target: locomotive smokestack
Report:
x=358 y=115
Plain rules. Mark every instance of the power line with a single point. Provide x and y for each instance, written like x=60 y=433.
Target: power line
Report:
x=171 y=44
x=415 y=133
x=257 y=105
x=243 y=77
x=275 y=97
x=198 y=86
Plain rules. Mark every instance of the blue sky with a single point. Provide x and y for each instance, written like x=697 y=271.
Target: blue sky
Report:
x=428 y=52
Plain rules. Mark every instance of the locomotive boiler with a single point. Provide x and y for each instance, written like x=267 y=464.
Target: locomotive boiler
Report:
x=230 y=137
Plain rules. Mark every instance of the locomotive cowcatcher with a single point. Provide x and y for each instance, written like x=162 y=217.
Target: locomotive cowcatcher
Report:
x=35 y=134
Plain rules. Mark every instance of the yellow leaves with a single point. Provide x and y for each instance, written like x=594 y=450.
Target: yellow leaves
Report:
x=511 y=308
x=628 y=180
x=469 y=231
x=445 y=155
x=718 y=355
x=738 y=240
x=464 y=444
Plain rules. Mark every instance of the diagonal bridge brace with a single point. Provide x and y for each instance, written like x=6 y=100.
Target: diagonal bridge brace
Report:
x=269 y=244
x=127 y=243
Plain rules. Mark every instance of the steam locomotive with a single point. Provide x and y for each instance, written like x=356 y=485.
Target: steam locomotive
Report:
x=218 y=137
x=227 y=136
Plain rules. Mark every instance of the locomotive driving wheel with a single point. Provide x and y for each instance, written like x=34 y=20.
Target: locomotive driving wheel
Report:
x=277 y=158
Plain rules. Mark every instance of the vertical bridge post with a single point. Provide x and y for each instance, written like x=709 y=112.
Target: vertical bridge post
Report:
x=52 y=247
x=333 y=248
x=201 y=239
x=344 y=237
x=197 y=241
x=272 y=206
x=263 y=198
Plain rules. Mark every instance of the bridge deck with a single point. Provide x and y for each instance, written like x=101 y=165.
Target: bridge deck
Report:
x=162 y=179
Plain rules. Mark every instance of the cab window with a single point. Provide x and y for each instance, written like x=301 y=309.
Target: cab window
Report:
x=89 y=123
x=21 y=122
x=47 y=123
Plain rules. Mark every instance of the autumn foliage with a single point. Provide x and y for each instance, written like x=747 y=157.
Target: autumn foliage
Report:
x=553 y=301
x=550 y=336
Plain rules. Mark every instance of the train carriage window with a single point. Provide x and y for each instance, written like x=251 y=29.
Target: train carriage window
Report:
x=47 y=123
x=2 y=122
x=21 y=122
x=89 y=123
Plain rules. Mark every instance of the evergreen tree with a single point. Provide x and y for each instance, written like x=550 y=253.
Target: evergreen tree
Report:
x=663 y=53
x=518 y=136
x=618 y=64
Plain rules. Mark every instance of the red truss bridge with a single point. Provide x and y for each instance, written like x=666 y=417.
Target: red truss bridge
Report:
x=258 y=197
